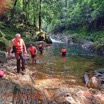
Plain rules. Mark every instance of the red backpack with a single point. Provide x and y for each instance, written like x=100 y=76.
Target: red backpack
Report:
x=1 y=73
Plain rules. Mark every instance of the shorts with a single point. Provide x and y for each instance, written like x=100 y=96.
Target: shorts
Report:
x=64 y=54
x=33 y=56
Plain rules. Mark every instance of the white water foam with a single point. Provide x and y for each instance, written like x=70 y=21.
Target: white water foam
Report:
x=56 y=41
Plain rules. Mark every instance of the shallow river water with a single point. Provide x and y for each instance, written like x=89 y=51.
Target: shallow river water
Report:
x=70 y=68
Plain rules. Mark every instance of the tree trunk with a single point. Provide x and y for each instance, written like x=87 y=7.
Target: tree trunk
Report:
x=66 y=3
x=40 y=16
x=13 y=10
x=25 y=10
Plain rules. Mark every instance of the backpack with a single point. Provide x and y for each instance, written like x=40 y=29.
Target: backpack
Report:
x=1 y=73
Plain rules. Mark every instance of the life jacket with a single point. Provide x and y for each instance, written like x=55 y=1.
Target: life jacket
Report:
x=32 y=50
x=63 y=50
x=18 y=45
x=40 y=46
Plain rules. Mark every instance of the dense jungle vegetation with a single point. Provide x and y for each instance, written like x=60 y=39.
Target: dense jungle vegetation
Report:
x=85 y=18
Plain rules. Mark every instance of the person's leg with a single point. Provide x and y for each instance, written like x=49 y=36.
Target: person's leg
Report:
x=41 y=51
x=63 y=54
x=18 y=65
x=18 y=62
x=34 y=59
x=23 y=62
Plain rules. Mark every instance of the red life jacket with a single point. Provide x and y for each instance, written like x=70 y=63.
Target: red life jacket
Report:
x=63 y=50
x=18 y=45
x=40 y=45
x=32 y=50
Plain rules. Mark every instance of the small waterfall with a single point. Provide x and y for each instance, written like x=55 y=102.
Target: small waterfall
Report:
x=56 y=41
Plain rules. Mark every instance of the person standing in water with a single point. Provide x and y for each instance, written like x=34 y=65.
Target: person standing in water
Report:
x=63 y=52
x=19 y=49
x=33 y=52
x=40 y=47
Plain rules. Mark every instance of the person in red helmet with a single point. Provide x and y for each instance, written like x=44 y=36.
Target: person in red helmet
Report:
x=63 y=52
x=19 y=49
x=33 y=52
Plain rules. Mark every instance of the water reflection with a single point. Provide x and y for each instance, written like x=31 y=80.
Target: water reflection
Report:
x=63 y=59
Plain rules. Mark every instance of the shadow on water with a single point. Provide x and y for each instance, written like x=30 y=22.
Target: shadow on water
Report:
x=70 y=68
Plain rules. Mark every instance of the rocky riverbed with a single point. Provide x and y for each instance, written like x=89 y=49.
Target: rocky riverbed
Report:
x=30 y=89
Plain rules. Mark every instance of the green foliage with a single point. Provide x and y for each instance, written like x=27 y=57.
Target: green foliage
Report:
x=95 y=35
x=3 y=39
x=99 y=60
x=1 y=34
x=69 y=16
x=4 y=42
x=76 y=38
x=98 y=45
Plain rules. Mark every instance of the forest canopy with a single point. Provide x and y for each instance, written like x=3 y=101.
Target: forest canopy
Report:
x=56 y=15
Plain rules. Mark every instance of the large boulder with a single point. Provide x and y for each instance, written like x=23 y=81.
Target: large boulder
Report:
x=95 y=79
x=42 y=36
x=75 y=96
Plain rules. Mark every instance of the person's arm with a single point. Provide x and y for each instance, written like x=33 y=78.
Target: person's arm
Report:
x=9 y=48
x=36 y=50
x=24 y=48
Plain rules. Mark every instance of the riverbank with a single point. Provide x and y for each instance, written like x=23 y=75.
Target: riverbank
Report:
x=93 y=41
x=95 y=46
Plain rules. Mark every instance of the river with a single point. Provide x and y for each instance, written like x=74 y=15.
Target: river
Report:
x=53 y=78
x=54 y=70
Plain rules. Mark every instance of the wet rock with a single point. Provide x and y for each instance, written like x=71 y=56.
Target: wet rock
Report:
x=100 y=97
x=87 y=45
x=15 y=94
x=76 y=96
x=64 y=96
x=95 y=79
